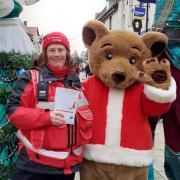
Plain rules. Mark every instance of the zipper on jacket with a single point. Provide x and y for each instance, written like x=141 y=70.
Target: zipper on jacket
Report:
x=75 y=131
x=69 y=137
x=72 y=131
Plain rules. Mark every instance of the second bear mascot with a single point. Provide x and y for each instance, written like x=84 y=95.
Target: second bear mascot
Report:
x=129 y=84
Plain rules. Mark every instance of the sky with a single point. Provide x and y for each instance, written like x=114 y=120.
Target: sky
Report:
x=66 y=16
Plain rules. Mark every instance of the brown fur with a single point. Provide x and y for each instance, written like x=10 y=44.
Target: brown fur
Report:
x=91 y=170
x=125 y=46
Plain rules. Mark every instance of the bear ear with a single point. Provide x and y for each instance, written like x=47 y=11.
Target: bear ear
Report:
x=92 y=30
x=155 y=41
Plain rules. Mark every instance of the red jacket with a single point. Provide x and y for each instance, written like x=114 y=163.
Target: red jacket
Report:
x=121 y=133
x=37 y=134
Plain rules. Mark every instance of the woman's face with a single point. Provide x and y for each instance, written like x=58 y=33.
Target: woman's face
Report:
x=56 y=55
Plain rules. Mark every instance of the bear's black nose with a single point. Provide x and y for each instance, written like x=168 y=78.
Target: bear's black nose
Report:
x=118 y=77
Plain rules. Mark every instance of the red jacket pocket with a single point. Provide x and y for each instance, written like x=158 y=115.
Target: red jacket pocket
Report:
x=85 y=119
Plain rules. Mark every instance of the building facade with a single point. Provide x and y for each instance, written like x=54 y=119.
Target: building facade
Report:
x=119 y=14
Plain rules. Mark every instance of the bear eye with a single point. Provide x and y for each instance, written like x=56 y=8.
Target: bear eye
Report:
x=108 y=56
x=132 y=60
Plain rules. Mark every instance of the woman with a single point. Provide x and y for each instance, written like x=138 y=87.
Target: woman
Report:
x=49 y=147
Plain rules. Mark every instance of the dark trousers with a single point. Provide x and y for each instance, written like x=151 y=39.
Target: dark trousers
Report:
x=24 y=175
x=172 y=164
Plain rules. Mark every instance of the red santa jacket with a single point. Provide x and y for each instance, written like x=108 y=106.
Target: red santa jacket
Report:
x=121 y=133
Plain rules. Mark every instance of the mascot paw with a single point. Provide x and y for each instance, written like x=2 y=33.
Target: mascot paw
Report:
x=156 y=73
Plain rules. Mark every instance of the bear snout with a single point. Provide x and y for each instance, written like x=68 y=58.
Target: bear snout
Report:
x=118 y=77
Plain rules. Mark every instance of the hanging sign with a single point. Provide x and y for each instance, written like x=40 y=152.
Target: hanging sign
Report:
x=147 y=1
x=139 y=12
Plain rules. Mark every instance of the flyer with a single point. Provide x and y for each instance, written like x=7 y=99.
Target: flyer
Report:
x=65 y=100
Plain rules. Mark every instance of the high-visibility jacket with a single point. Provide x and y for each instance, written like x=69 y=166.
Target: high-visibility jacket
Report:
x=45 y=143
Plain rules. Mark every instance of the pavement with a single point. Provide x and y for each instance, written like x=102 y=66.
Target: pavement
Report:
x=159 y=173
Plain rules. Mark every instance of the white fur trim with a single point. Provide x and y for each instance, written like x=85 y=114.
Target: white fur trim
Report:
x=159 y=95
x=114 y=117
x=123 y=156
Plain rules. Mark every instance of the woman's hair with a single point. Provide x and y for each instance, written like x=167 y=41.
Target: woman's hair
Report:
x=42 y=59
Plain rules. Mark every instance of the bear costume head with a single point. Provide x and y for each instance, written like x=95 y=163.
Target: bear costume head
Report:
x=116 y=56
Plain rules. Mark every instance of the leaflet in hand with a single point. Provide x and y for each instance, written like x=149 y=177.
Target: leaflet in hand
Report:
x=65 y=100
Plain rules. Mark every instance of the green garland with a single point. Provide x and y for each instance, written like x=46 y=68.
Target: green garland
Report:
x=13 y=60
x=4 y=93
x=6 y=136
x=9 y=62
x=6 y=172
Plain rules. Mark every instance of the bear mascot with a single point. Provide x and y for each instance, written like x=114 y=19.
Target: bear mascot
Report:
x=128 y=84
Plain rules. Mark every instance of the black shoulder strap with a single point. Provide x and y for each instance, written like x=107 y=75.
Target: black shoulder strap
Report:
x=42 y=88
